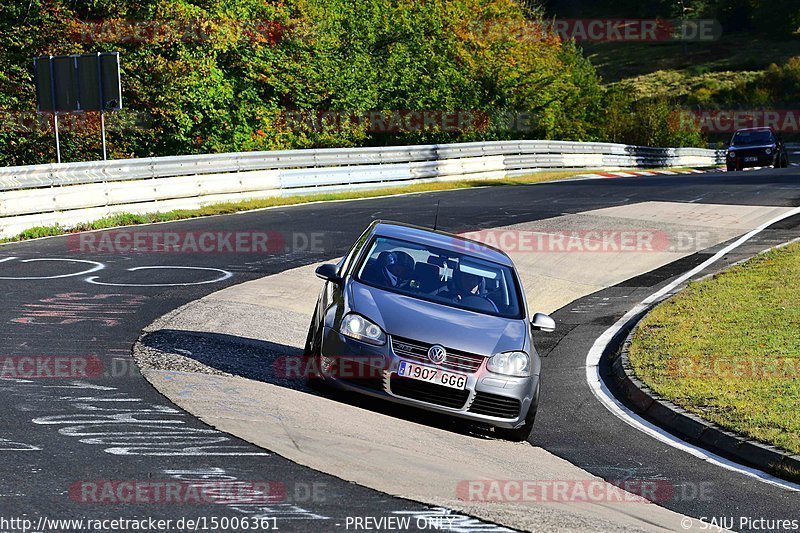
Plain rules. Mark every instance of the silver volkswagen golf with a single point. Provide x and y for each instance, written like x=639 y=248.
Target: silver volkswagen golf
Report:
x=431 y=320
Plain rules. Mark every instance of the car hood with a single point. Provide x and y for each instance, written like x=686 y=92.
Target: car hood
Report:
x=752 y=147
x=433 y=323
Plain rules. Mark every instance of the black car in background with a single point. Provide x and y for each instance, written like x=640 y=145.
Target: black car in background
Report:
x=756 y=147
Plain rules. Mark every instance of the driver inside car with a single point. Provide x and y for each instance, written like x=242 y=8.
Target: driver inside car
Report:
x=392 y=269
x=466 y=285
x=470 y=289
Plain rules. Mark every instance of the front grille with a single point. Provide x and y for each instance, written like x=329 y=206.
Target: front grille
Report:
x=428 y=392
x=494 y=405
x=456 y=361
x=751 y=152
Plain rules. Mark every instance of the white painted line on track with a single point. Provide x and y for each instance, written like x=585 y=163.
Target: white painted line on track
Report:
x=225 y=275
x=7 y=445
x=97 y=266
x=616 y=407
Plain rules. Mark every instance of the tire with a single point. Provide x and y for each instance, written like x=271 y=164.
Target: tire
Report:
x=731 y=168
x=311 y=358
x=522 y=433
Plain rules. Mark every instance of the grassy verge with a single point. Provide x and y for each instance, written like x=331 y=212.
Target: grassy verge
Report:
x=733 y=53
x=728 y=348
x=128 y=219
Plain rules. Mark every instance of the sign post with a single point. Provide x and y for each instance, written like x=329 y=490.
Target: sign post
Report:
x=78 y=84
x=58 y=142
x=103 y=133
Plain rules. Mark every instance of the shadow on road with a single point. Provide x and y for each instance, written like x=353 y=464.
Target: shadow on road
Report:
x=266 y=362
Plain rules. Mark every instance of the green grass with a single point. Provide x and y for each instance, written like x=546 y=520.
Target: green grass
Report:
x=727 y=348
x=681 y=84
x=129 y=219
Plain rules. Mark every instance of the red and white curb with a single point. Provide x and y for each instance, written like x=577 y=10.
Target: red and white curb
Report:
x=637 y=173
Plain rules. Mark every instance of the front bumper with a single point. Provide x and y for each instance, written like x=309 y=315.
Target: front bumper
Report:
x=750 y=161
x=488 y=398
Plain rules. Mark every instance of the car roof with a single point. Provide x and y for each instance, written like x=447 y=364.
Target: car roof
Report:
x=440 y=239
x=754 y=129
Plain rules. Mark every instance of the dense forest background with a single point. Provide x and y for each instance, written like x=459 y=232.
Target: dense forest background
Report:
x=205 y=76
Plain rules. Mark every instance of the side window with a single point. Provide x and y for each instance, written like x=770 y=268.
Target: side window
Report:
x=347 y=261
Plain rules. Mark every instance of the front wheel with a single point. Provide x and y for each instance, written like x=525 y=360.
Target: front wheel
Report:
x=731 y=168
x=311 y=357
x=522 y=433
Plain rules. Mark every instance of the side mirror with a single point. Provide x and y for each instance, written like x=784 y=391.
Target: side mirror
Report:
x=543 y=322
x=329 y=272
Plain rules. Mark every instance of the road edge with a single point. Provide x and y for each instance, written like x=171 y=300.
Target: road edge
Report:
x=685 y=425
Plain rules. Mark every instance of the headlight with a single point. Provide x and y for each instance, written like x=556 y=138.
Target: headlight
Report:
x=769 y=151
x=360 y=328
x=510 y=364
x=731 y=154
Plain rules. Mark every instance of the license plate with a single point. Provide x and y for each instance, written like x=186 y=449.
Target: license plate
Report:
x=432 y=375
x=750 y=159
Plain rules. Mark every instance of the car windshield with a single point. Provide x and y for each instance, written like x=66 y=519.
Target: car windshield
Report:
x=752 y=138
x=441 y=276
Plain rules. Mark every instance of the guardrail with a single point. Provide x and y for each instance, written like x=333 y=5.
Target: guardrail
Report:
x=71 y=193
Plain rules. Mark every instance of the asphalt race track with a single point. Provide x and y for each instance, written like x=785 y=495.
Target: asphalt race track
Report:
x=98 y=420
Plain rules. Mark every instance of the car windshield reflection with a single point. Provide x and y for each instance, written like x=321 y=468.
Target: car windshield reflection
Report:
x=441 y=276
x=752 y=138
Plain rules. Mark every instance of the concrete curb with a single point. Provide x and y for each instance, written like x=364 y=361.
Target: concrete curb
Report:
x=691 y=427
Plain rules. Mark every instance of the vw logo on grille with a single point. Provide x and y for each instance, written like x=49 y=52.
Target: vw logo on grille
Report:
x=437 y=354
